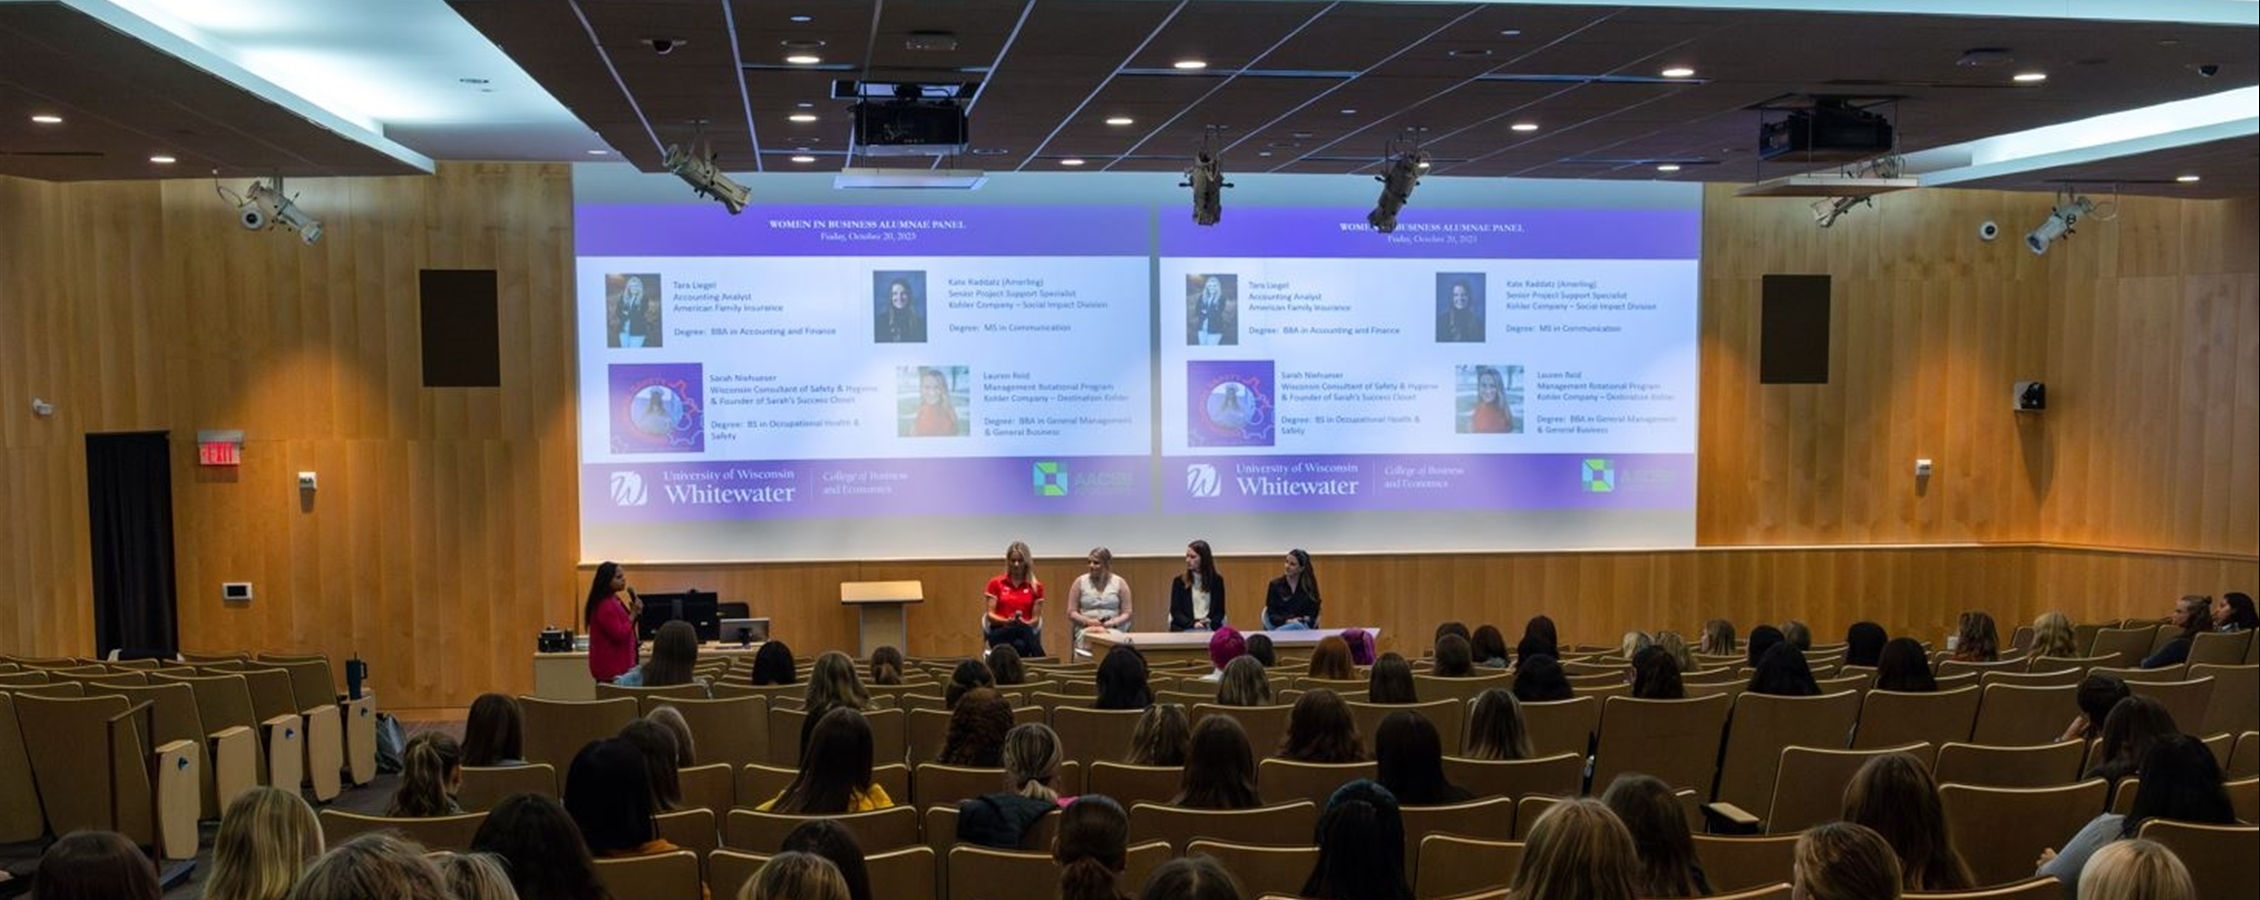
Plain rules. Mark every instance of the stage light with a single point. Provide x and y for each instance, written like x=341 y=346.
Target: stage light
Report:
x=1396 y=187
x=262 y=206
x=2059 y=223
x=1206 y=178
x=1828 y=209
x=705 y=179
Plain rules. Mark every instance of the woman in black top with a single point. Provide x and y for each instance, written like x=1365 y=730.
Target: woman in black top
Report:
x=1409 y=760
x=1538 y=639
x=1904 y=667
x=1200 y=574
x=1292 y=600
x=1784 y=673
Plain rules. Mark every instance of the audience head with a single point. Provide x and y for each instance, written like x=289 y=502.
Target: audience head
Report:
x=1391 y=681
x=377 y=865
x=2192 y=614
x=1195 y=877
x=2180 y=781
x=1655 y=676
x=797 y=876
x=1162 y=736
x=1976 y=638
x=96 y=865
x=1578 y=850
x=1220 y=768
x=1762 y=639
x=834 y=768
x=1408 y=754
x=1895 y=795
x=1489 y=647
x=2135 y=869
x=1633 y=643
x=1863 y=643
x=1455 y=658
x=686 y=748
x=1360 y=642
x=475 y=876
x=1904 y=667
x=1331 y=659
x=431 y=773
x=266 y=837
x=1784 y=673
x=661 y=760
x=1259 y=646
x=1797 y=634
x=1092 y=849
x=976 y=732
x=1538 y=639
x=833 y=841
x=494 y=733
x=1718 y=638
x=2052 y=635
x=970 y=674
x=1495 y=729
x=1225 y=646
x=832 y=683
x=674 y=655
x=1660 y=839
x=1844 y=861
x=886 y=667
x=1005 y=665
x=2097 y=695
x=608 y=791
x=1539 y=679
x=542 y=847
x=2235 y=609
x=1319 y=729
x=1031 y=760
x=1243 y=684
x=1361 y=845
x=773 y=664
x=1122 y=680
x=1458 y=628
x=1671 y=642
x=2134 y=724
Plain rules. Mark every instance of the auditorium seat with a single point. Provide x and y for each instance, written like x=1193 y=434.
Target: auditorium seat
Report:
x=227 y=759
x=2244 y=759
x=1431 y=688
x=1562 y=726
x=2001 y=831
x=2244 y=797
x=97 y=766
x=691 y=829
x=928 y=731
x=1891 y=719
x=1744 y=863
x=1674 y=740
x=659 y=876
x=758 y=784
x=1130 y=785
x=1288 y=824
x=711 y=786
x=1092 y=735
x=1558 y=775
x=733 y=730
x=1286 y=780
x=556 y=730
x=2186 y=700
x=51 y=688
x=2042 y=888
x=980 y=873
x=2137 y=675
x=1447 y=714
x=274 y=696
x=2037 y=765
x=875 y=831
x=729 y=871
x=2219 y=648
x=1528 y=809
x=2234 y=706
x=485 y=786
x=1450 y=866
x=2015 y=716
x=1489 y=819
x=1809 y=788
x=693 y=691
x=1262 y=870
x=1266 y=726
x=434 y=833
x=1761 y=726
x=2126 y=646
x=225 y=702
x=934 y=784
x=1958 y=666
x=2034 y=679
x=314 y=684
x=2219 y=857
x=939 y=825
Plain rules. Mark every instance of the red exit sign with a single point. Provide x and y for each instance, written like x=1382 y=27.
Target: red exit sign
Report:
x=219 y=448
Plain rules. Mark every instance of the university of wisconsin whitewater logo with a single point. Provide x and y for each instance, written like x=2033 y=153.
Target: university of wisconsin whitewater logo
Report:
x=1201 y=480
x=628 y=489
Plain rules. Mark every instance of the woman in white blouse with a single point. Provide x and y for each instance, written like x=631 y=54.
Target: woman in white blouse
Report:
x=1099 y=600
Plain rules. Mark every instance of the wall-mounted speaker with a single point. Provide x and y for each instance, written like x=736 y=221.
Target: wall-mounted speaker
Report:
x=1793 y=330
x=462 y=337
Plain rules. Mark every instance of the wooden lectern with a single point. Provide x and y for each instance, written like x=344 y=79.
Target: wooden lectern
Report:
x=880 y=618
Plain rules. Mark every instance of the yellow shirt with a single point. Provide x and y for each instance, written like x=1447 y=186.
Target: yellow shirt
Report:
x=860 y=801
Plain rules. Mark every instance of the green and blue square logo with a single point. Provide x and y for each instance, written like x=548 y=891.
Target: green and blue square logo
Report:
x=1599 y=475
x=1050 y=479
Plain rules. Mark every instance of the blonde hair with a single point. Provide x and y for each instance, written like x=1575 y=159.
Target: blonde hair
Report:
x=2135 y=869
x=1844 y=861
x=2052 y=635
x=1243 y=684
x=1579 y=850
x=833 y=683
x=476 y=876
x=1634 y=642
x=1162 y=736
x=1031 y=759
x=372 y=865
x=796 y=876
x=670 y=718
x=1676 y=646
x=266 y=836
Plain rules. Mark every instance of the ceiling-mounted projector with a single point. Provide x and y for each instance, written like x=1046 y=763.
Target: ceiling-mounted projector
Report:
x=1832 y=130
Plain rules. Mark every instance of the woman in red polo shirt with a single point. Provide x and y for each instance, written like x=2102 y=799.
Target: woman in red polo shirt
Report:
x=1016 y=601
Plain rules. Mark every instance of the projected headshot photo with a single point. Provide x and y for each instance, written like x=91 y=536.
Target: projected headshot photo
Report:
x=1228 y=404
x=1459 y=307
x=1212 y=310
x=1489 y=399
x=928 y=400
x=898 y=307
x=657 y=408
x=632 y=315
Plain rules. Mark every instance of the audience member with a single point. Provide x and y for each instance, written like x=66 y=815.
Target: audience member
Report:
x=1718 y=638
x=266 y=837
x=1633 y=643
x=2053 y=636
x=1331 y=659
x=833 y=841
x=679 y=728
x=1408 y=754
x=773 y=664
x=674 y=658
x=1489 y=647
x=1092 y=849
x=970 y=674
x=661 y=762
x=2098 y=693
x=2193 y=615
x=377 y=865
x=1896 y=796
x=976 y=731
x=1220 y=768
x=431 y=774
x=1495 y=729
x=1539 y=679
x=832 y=684
x=1904 y=667
x=1259 y=646
x=1452 y=627
x=542 y=847
x=1243 y=684
x=1797 y=634
x=1577 y=851
x=1863 y=643
x=1006 y=667
x=1391 y=681
x=1762 y=639
x=1655 y=676
x=1784 y=673
x=1538 y=639
x=835 y=771
x=1658 y=825
x=1844 y=861
x=1360 y=642
x=1122 y=680
x=1162 y=736
x=2133 y=725
x=1195 y=877
x=608 y=791
x=1031 y=761
x=2135 y=869
x=494 y=734
x=1319 y=730
x=1976 y=639
x=2180 y=781
x=796 y=876
x=1454 y=657
x=1673 y=643
x=1224 y=645
x=2234 y=612
x=886 y=666
x=474 y=876
x=1361 y=845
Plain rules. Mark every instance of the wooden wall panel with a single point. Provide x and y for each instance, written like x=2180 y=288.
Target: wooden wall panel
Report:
x=444 y=532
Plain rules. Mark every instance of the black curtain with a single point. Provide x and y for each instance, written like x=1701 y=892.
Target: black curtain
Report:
x=129 y=504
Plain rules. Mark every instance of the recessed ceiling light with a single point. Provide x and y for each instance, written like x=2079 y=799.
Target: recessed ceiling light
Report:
x=1668 y=167
x=804 y=159
x=1349 y=111
x=1679 y=72
x=802 y=117
x=1424 y=164
x=47 y=120
x=1510 y=32
x=1189 y=64
x=1072 y=161
x=1524 y=126
x=2186 y=179
x=1468 y=53
x=1264 y=153
x=802 y=19
x=990 y=151
x=804 y=59
x=598 y=152
x=2029 y=77
x=472 y=80
x=163 y=160
x=1119 y=121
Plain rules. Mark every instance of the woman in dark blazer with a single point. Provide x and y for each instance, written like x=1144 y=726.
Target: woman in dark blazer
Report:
x=1200 y=573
